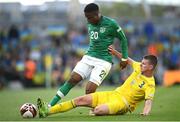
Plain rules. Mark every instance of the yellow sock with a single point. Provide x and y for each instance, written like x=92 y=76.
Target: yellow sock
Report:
x=62 y=107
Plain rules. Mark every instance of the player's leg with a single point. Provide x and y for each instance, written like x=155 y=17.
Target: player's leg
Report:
x=98 y=74
x=44 y=111
x=85 y=100
x=101 y=110
x=111 y=107
x=99 y=100
x=66 y=87
x=81 y=71
x=91 y=87
x=108 y=102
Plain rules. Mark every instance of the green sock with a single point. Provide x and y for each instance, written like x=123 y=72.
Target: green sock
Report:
x=55 y=99
x=63 y=90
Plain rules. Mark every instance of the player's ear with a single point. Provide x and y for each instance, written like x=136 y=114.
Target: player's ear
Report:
x=151 y=67
x=96 y=14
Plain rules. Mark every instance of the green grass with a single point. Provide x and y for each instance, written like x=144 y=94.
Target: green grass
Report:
x=166 y=106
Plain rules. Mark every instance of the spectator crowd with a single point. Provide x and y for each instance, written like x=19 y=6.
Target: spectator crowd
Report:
x=29 y=55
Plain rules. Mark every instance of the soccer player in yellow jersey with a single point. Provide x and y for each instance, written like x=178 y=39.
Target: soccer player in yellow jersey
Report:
x=139 y=86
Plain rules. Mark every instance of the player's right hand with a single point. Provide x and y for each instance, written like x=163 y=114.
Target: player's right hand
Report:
x=123 y=64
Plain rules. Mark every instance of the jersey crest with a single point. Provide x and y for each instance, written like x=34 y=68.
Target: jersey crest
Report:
x=102 y=29
x=133 y=82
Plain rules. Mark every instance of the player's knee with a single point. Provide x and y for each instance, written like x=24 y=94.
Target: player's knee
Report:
x=100 y=111
x=89 y=91
x=82 y=101
x=91 y=87
x=75 y=78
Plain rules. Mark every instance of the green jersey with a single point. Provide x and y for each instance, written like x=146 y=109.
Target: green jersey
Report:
x=102 y=35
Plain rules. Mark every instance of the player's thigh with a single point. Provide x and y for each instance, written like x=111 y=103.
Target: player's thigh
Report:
x=99 y=98
x=107 y=108
x=111 y=99
x=83 y=69
x=117 y=106
x=99 y=72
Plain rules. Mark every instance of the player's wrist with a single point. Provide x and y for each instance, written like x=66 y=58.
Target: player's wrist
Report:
x=123 y=59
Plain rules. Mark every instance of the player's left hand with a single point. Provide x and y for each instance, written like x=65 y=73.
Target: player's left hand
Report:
x=123 y=64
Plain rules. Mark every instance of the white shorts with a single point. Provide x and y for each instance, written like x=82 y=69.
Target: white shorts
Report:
x=94 y=68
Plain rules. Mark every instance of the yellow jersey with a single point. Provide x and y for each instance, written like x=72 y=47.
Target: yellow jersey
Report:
x=137 y=87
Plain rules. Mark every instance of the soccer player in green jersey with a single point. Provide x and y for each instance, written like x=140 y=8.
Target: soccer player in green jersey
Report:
x=97 y=61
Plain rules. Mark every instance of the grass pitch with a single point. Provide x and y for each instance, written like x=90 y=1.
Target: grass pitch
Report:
x=166 y=106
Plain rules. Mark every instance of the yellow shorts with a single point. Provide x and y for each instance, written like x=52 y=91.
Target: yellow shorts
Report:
x=112 y=99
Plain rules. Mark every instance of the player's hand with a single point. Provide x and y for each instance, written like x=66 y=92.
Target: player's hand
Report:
x=144 y=114
x=123 y=64
x=111 y=50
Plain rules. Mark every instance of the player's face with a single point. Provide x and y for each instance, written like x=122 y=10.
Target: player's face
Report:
x=145 y=65
x=92 y=17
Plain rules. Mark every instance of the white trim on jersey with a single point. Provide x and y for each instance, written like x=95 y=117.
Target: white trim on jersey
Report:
x=119 y=29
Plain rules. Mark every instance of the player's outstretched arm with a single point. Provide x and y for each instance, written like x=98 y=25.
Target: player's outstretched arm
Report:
x=124 y=48
x=147 y=108
x=118 y=54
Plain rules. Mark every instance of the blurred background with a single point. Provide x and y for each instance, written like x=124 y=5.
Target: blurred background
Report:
x=41 y=41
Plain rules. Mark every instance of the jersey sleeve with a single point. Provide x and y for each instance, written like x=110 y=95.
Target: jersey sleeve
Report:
x=136 y=66
x=149 y=92
x=118 y=32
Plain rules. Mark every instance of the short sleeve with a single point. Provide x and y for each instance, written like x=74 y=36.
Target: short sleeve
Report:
x=149 y=92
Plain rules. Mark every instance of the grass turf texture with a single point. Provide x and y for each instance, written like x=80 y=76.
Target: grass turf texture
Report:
x=166 y=106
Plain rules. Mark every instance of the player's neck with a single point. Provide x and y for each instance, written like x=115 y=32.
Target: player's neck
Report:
x=100 y=19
